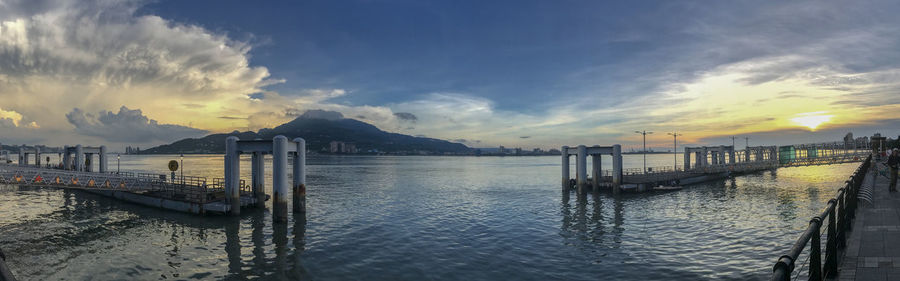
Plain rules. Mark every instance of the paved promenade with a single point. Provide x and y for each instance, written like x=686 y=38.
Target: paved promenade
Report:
x=873 y=247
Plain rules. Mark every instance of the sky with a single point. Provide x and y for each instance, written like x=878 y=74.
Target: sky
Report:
x=483 y=73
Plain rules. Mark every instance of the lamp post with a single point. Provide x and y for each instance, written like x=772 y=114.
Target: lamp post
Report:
x=675 y=148
x=118 y=164
x=644 y=133
x=182 y=168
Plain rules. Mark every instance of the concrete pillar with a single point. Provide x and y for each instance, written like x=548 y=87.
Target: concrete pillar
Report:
x=104 y=161
x=232 y=176
x=79 y=158
x=258 y=178
x=687 y=159
x=704 y=158
x=65 y=158
x=279 y=178
x=89 y=163
x=617 y=168
x=37 y=156
x=595 y=171
x=731 y=158
x=21 y=160
x=747 y=155
x=722 y=155
x=701 y=158
x=565 y=167
x=581 y=168
x=300 y=176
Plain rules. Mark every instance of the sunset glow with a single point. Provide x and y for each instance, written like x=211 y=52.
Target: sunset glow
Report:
x=811 y=120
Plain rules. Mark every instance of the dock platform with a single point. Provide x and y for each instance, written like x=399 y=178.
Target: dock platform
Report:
x=873 y=247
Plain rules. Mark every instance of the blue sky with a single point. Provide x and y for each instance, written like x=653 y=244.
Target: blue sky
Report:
x=517 y=73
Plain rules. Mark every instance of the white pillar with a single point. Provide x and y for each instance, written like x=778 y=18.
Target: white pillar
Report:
x=104 y=161
x=232 y=175
x=67 y=161
x=731 y=155
x=581 y=168
x=565 y=167
x=687 y=159
x=595 y=172
x=279 y=179
x=258 y=178
x=79 y=158
x=617 y=168
x=721 y=155
x=300 y=176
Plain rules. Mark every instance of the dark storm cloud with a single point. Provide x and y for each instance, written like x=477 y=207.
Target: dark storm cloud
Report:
x=127 y=126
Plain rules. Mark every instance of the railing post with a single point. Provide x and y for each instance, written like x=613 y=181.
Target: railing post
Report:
x=783 y=268
x=842 y=218
x=831 y=243
x=815 y=251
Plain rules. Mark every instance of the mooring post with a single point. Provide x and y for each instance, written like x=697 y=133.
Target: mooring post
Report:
x=581 y=168
x=731 y=156
x=595 y=172
x=279 y=179
x=66 y=161
x=258 y=180
x=79 y=158
x=104 y=161
x=300 y=176
x=232 y=176
x=617 y=168
x=565 y=167
x=687 y=159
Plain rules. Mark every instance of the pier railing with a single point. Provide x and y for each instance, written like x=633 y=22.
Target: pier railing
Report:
x=836 y=218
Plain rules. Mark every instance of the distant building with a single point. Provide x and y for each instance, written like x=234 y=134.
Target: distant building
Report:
x=518 y=151
x=502 y=150
x=132 y=150
x=848 y=141
x=342 y=147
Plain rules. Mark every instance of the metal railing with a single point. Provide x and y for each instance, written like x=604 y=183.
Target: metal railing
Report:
x=839 y=214
x=184 y=188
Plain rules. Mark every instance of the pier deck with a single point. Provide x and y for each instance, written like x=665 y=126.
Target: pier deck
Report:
x=873 y=247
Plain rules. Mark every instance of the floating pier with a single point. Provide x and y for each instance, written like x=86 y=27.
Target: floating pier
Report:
x=701 y=164
x=196 y=195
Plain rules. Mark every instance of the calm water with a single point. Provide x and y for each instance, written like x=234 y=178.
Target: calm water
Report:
x=420 y=218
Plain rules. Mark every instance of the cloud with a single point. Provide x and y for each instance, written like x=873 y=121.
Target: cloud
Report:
x=12 y=119
x=127 y=126
x=406 y=116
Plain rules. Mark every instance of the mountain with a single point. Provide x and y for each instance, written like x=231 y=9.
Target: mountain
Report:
x=319 y=129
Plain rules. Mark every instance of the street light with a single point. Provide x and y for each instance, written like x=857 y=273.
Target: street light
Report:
x=118 y=165
x=644 y=133
x=675 y=136
x=182 y=168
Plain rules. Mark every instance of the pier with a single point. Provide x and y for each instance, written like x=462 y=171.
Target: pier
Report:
x=700 y=164
x=198 y=195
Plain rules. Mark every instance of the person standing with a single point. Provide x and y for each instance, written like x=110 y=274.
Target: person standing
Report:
x=893 y=162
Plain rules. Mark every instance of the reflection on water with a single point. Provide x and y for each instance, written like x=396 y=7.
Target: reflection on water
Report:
x=415 y=218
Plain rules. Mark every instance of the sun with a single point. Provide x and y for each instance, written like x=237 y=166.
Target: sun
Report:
x=811 y=120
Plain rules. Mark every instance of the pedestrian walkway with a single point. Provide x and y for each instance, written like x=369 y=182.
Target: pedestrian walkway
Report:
x=873 y=248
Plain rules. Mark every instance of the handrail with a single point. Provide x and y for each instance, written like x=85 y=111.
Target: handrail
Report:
x=840 y=212
x=5 y=273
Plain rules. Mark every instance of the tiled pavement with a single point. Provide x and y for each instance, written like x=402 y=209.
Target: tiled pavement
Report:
x=873 y=247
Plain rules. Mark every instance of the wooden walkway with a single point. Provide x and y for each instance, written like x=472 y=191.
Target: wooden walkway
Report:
x=873 y=247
